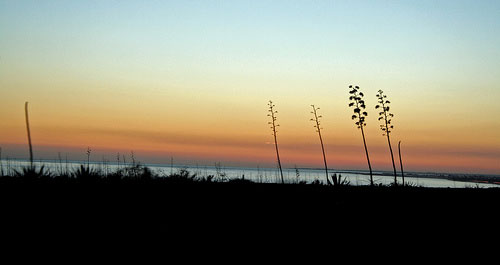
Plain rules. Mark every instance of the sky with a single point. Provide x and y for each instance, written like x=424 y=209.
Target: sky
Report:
x=190 y=80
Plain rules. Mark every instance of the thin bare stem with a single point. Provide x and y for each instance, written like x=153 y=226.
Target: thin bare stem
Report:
x=401 y=163
x=29 y=133
x=367 y=156
x=318 y=130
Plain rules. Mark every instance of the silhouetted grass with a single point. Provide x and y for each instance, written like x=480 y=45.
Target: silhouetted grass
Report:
x=141 y=173
x=135 y=194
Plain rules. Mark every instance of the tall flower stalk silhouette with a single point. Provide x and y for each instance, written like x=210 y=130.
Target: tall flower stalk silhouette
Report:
x=386 y=125
x=317 y=125
x=89 y=151
x=274 y=125
x=359 y=116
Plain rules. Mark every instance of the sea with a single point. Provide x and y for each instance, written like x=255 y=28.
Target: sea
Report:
x=259 y=175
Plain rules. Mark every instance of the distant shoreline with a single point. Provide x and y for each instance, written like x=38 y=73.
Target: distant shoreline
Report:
x=474 y=178
x=463 y=177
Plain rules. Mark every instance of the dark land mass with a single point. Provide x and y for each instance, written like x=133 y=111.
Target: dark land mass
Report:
x=198 y=211
x=145 y=203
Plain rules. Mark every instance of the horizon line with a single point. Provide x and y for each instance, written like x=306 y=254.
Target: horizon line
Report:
x=360 y=171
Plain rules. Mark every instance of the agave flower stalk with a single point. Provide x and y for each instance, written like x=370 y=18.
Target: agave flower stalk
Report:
x=359 y=116
x=401 y=163
x=317 y=125
x=88 y=157
x=29 y=132
x=386 y=125
x=274 y=125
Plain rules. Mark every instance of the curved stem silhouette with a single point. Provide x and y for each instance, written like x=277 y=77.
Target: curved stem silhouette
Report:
x=278 y=156
x=316 y=119
x=401 y=163
x=29 y=133
x=392 y=158
x=367 y=156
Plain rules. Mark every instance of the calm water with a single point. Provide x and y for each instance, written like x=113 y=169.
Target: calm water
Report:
x=267 y=175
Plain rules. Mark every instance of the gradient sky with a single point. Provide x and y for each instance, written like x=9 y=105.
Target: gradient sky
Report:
x=191 y=80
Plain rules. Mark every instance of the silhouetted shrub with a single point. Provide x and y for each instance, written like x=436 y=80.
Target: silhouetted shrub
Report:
x=316 y=182
x=338 y=181
x=182 y=176
x=208 y=178
x=241 y=180
x=32 y=173
x=86 y=174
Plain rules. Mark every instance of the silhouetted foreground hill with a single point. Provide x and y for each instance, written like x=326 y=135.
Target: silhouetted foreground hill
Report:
x=163 y=203
x=86 y=203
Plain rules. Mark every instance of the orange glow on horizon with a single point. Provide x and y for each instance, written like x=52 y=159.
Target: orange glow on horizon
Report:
x=254 y=149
